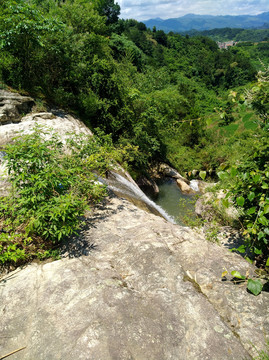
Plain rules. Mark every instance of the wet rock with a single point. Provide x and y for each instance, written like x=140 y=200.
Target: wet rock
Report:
x=166 y=170
x=148 y=185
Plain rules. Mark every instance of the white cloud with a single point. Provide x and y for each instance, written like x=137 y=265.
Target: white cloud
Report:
x=143 y=10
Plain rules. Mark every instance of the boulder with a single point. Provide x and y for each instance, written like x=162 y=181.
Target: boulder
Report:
x=209 y=205
x=132 y=286
x=168 y=171
x=148 y=185
x=203 y=186
x=62 y=123
x=184 y=187
x=13 y=106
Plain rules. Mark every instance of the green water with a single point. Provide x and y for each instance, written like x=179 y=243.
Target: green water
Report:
x=174 y=202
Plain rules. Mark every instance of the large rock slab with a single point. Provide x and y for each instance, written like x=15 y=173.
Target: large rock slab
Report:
x=13 y=106
x=61 y=123
x=132 y=286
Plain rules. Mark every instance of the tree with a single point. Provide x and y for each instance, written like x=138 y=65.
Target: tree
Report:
x=22 y=30
x=109 y=9
x=258 y=97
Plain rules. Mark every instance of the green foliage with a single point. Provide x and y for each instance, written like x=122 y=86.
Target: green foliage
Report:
x=109 y=9
x=254 y=285
x=146 y=88
x=52 y=184
x=248 y=179
x=22 y=30
x=245 y=36
x=249 y=184
x=258 y=97
x=124 y=48
x=263 y=354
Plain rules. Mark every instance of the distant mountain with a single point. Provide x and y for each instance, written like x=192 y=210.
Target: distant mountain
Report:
x=208 y=22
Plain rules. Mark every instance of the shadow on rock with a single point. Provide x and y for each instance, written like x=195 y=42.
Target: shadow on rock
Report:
x=81 y=244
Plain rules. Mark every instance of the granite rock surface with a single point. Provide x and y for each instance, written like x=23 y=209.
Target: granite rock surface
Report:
x=132 y=286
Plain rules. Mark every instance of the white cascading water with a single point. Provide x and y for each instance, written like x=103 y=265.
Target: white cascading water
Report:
x=123 y=186
x=194 y=184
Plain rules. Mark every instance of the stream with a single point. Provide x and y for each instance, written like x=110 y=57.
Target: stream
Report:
x=171 y=204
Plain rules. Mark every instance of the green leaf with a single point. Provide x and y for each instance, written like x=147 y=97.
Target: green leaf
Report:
x=209 y=121
x=257 y=178
x=254 y=286
x=233 y=171
x=263 y=220
x=251 y=196
x=266 y=209
x=225 y=203
x=251 y=210
x=240 y=201
x=223 y=175
x=267 y=262
x=257 y=251
x=202 y=175
x=241 y=249
x=249 y=260
x=236 y=274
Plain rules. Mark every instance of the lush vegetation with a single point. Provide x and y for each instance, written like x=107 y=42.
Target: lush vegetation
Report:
x=53 y=184
x=247 y=180
x=168 y=97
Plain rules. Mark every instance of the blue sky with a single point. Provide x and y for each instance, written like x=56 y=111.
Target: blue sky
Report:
x=143 y=10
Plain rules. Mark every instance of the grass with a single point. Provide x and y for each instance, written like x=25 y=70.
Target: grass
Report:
x=264 y=354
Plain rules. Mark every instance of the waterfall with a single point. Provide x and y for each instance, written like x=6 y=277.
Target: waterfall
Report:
x=123 y=187
x=194 y=184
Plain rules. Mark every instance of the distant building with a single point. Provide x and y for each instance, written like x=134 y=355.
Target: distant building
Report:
x=226 y=44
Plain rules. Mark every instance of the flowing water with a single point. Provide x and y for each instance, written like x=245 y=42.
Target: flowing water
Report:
x=123 y=187
x=171 y=204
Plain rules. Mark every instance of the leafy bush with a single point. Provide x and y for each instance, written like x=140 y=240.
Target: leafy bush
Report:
x=249 y=189
x=248 y=179
x=52 y=184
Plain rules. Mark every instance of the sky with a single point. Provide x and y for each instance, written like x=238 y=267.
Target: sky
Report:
x=149 y=9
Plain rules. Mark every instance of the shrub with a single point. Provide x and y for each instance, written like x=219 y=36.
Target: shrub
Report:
x=53 y=183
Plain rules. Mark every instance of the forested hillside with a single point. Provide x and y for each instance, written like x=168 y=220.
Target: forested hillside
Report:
x=226 y=34
x=174 y=98
x=137 y=84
